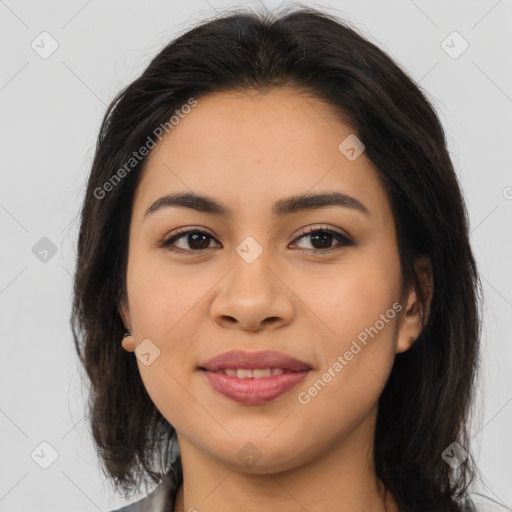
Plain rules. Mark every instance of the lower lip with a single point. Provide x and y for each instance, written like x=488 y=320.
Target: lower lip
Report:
x=254 y=391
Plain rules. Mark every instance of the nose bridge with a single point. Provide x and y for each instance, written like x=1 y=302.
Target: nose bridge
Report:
x=251 y=293
x=252 y=275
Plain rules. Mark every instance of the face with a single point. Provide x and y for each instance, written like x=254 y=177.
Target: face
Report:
x=320 y=283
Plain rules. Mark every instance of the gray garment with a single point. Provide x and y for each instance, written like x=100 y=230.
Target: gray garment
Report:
x=468 y=506
x=162 y=500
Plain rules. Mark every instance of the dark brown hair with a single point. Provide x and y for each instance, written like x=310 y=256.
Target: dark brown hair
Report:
x=427 y=400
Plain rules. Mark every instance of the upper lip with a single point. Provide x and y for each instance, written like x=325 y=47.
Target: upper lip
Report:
x=254 y=361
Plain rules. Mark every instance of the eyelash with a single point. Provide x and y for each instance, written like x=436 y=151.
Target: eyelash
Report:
x=343 y=241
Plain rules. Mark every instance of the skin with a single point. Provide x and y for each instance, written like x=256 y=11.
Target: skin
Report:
x=248 y=150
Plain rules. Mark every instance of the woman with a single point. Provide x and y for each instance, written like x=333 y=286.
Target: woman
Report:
x=273 y=216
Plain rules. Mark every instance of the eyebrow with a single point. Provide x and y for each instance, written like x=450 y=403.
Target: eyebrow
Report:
x=280 y=208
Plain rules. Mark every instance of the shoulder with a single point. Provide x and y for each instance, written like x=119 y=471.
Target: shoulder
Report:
x=160 y=500
x=481 y=503
x=151 y=502
x=467 y=505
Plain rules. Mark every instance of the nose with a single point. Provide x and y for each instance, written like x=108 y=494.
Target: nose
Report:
x=253 y=297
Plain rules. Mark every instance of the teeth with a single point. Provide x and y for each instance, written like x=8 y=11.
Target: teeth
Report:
x=243 y=373
x=261 y=373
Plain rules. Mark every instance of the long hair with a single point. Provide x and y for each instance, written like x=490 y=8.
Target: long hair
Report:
x=426 y=403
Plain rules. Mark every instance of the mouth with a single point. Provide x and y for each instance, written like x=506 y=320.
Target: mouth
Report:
x=254 y=377
x=257 y=373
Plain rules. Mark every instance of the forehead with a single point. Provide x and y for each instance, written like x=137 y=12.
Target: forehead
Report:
x=250 y=147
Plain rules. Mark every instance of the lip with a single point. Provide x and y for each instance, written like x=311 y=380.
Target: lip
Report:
x=254 y=361
x=254 y=391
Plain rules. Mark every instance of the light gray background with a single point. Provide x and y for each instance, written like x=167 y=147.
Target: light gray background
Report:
x=50 y=115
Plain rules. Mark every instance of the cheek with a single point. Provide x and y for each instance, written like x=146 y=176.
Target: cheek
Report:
x=356 y=364
x=358 y=310
x=161 y=293
x=354 y=297
x=168 y=391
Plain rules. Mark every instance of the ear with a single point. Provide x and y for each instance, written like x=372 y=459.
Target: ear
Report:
x=415 y=316
x=124 y=311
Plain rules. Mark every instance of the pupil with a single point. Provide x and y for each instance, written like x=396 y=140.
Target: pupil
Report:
x=322 y=236
x=194 y=237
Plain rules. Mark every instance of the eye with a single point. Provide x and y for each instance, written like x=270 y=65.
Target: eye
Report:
x=195 y=240
x=322 y=238
x=198 y=240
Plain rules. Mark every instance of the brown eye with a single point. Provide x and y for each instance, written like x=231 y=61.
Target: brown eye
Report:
x=322 y=239
x=196 y=241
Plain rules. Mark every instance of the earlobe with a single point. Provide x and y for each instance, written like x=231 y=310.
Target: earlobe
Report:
x=411 y=324
x=405 y=344
x=128 y=343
